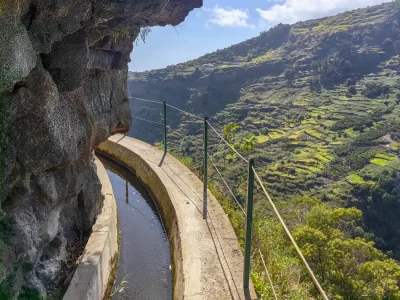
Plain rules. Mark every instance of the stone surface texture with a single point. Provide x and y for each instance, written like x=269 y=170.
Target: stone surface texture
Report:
x=206 y=256
x=63 y=71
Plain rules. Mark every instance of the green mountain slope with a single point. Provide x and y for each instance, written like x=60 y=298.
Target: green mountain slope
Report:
x=321 y=98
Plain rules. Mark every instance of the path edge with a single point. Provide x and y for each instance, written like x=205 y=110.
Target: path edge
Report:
x=99 y=259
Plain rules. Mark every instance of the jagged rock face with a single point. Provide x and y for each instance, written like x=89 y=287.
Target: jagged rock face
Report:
x=63 y=70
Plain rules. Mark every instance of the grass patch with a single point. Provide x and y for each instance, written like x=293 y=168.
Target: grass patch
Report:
x=262 y=139
x=395 y=147
x=275 y=134
x=314 y=133
x=379 y=162
x=355 y=179
x=269 y=56
x=386 y=156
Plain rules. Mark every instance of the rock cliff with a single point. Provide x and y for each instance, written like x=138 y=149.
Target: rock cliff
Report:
x=63 y=70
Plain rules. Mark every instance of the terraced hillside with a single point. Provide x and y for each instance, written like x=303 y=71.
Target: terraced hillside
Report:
x=322 y=100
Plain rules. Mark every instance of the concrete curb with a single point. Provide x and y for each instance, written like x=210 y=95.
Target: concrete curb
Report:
x=92 y=275
x=207 y=260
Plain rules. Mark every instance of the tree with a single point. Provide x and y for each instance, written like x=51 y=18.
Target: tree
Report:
x=249 y=57
x=315 y=65
x=352 y=90
x=315 y=84
x=290 y=74
x=196 y=74
x=248 y=144
x=375 y=89
x=229 y=131
x=346 y=267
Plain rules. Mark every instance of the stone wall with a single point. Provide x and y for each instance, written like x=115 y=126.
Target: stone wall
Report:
x=63 y=70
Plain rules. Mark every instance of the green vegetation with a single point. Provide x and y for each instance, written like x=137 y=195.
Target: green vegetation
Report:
x=323 y=125
x=355 y=179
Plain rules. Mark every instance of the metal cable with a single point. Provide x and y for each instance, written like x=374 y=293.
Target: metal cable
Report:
x=266 y=269
x=182 y=136
x=310 y=272
x=242 y=209
x=233 y=195
x=228 y=143
x=212 y=151
x=159 y=123
x=188 y=113
x=145 y=100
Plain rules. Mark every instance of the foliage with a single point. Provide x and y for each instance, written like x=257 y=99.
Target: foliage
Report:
x=346 y=267
x=352 y=90
x=289 y=74
x=318 y=136
x=229 y=132
x=378 y=200
x=375 y=89
x=315 y=84
x=244 y=145
x=120 y=287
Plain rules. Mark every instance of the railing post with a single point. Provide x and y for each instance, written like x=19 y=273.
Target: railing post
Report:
x=249 y=220
x=165 y=127
x=205 y=171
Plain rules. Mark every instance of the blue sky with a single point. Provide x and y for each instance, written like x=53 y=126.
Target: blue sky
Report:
x=221 y=23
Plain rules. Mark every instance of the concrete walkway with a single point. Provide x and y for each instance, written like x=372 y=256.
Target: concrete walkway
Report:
x=91 y=278
x=207 y=260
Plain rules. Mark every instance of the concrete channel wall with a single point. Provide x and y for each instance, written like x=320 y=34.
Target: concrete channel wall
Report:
x=92 y=275
x=207 y=260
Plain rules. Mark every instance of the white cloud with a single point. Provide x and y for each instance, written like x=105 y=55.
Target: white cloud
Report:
x=229 y=17
x=292 y=11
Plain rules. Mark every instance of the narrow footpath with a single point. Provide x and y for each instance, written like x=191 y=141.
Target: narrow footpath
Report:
x=207 y=260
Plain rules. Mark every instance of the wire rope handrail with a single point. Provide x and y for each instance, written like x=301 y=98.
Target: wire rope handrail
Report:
x=185 y=112
x=145 y=100
x=310 y=272
x=244 y=213
x=267 y=272
x=182 y=136
x=159 y=123
x=233 y=195
x=226 y=142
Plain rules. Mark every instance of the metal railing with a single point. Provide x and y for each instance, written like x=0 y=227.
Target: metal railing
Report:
x=251 y=177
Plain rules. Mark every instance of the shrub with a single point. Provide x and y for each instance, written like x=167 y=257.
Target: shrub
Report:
x=315 y=85
x=289 y=74
x=375 y=89
x=315 y=65
x=352 y=90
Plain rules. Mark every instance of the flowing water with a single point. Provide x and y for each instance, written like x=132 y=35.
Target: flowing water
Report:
x=144 y=260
